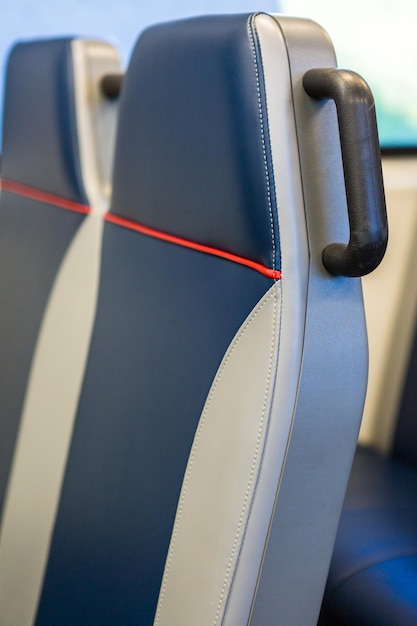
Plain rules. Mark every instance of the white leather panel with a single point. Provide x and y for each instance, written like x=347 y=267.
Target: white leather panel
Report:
x=59 y=361
x=294 y=266
x=221 y=475
x=46 y=427
x=236 y=578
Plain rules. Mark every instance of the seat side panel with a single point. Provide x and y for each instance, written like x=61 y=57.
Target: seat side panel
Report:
x=166 y=316
x=33 y=241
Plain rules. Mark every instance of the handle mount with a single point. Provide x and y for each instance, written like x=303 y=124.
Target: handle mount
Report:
x=111 y=85
x=362 y=171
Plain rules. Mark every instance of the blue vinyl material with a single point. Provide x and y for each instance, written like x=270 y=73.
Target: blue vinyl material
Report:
x=373 y=575
x=166 y=316
x=190 y=155
x=383 y=595
x=189 y=161
x=40 y=149
x=40 y=140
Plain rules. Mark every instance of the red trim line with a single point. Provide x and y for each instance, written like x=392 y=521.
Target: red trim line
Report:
x=145 y=230
x=43 y=196
x=69 y=205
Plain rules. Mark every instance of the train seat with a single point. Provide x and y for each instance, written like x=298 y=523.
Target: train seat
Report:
x=57 y=153
x=204 y=466
x=373 y=575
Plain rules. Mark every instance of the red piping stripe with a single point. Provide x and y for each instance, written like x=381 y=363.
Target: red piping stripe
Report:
x=69 y=205
x=145 y=230
x=42 y=196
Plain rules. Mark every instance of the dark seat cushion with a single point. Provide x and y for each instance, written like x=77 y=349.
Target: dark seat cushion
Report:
x=373 y=576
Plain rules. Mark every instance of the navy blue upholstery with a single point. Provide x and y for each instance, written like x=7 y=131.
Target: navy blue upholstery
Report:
x=372 y=579
x=40 y=141
x=40 y=150
x=187 y=168
x=166 y=314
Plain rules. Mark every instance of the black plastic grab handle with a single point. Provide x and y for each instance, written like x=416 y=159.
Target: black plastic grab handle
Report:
x=111 y=85
x=362 y=170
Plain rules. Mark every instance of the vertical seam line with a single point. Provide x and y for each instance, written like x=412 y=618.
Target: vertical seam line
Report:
x=251 y=30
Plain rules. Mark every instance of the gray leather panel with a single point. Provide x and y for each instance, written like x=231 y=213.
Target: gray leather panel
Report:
x=165 y=317
x=46 y=427
x=334 y=367
x=221 y=475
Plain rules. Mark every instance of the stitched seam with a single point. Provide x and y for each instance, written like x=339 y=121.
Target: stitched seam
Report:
x=193 y=454
x=193 y=245
x=251 y=27
x=276 y=361
x=258 y=455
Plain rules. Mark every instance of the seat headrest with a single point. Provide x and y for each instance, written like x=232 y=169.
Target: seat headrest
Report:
x=40 y=140
x=192 y=153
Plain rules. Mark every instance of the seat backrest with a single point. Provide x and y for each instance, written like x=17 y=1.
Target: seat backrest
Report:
x=214 y=432
x=49 y=254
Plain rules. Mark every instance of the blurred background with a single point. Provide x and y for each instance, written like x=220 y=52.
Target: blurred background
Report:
x=374 y=37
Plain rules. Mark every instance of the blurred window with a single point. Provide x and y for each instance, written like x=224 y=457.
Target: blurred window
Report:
x=376 y=38
x=118 y=22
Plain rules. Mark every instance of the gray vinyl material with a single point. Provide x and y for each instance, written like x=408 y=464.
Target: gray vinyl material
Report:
x=169 y=316
x=39 y=119
x=334 y=368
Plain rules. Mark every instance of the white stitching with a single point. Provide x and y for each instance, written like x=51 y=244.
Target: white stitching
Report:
x=261 y=431
x=250 y=25
x=260 y=436
x=273 y=294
